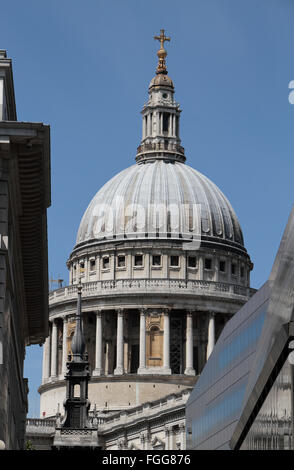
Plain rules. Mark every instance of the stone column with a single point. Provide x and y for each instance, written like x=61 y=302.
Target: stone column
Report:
x=148 y=125
x=54 y=349
x=157 y=123
x=107 y=353
x=216 y=270
x=119 y=370
x=151 y=124
x=171 y=438
x=170 y=125
x=189 y=344
x=46 y=360
x=211 y=335
x=98 y=351
x=144 y=438
x=142 y=358
x=143 y=128
x=174 y=125
x=183 y=436
x=168 y=433
x=64 y=345
x=166 y=342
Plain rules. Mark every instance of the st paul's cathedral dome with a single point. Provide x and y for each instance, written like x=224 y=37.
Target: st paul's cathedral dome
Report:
x=162 y=263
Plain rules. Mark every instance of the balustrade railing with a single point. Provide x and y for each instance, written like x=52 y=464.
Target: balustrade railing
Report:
x=149 y=286
x=50 y=424
x=150 y=146
x=39 y=422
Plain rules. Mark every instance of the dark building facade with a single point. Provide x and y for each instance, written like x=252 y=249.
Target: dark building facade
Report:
x=24 y=199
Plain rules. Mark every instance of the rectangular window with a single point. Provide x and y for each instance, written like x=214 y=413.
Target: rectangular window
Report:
x=105 y=262
x=234 y=269
x=192 y=261
x=138 y=260
x=222 y=266
x=242 y=271
x=207 y=263
x=156 y=260
x=174 y=261
x=121 y=261
x=92 y=264
x=82 y=267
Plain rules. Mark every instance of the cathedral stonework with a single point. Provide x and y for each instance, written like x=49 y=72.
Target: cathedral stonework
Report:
x=161 y=257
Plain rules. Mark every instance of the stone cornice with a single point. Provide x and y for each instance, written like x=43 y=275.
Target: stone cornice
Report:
x=27 y=146
x=6 y=73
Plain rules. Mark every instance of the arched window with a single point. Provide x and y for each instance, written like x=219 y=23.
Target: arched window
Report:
x=77 y=391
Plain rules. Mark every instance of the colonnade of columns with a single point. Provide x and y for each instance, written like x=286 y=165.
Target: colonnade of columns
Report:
x=50 y=352
x=150 y=118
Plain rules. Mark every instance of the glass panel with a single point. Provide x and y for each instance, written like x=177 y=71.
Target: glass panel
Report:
x=272 y=427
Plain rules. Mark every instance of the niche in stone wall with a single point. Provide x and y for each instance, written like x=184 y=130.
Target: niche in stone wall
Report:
x=77 y=391
x=59 y=346
x=154 y=341
x=70 y=332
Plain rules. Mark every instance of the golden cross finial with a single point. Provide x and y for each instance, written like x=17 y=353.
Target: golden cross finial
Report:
x=162 y=38
x=161 y=67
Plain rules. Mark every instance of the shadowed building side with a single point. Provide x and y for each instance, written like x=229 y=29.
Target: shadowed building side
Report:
x=24 y=199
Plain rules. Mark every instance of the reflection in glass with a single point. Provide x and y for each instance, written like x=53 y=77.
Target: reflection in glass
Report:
x=272 y=427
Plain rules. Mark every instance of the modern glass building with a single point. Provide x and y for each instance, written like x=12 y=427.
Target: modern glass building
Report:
x=244 y=396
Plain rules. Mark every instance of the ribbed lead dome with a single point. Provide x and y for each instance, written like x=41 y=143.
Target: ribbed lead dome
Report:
x=160 y=199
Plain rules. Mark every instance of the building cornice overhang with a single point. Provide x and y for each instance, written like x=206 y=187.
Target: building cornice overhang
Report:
x=161 y=106
x=26 y=146
x=129 y=293
x=213 y=243
x=7 y=73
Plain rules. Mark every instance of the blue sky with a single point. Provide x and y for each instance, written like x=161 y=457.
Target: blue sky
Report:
x=84 y=68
